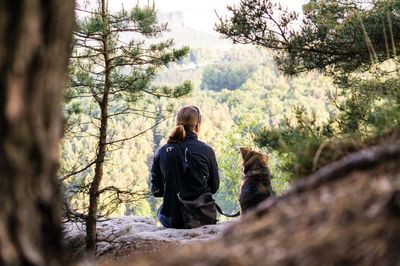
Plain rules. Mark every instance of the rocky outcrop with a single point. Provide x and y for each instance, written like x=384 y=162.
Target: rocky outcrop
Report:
x=175 y=19
x=348 y=213
x=118 y=237
x=186 y=36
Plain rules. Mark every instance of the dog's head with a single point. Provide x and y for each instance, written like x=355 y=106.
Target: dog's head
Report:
x=253 y=160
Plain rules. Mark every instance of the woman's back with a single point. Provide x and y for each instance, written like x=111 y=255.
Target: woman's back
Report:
x=194 y=166
x=186 y=167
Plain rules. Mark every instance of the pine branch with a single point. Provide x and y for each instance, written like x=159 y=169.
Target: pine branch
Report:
x=65 y=177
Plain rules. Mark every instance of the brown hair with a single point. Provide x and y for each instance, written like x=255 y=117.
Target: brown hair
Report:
x=187 y=119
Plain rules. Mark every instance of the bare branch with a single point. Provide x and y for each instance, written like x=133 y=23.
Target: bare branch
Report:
x=78 y=171
x=138 y=134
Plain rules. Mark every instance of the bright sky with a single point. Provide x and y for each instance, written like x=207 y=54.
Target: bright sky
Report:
x=198 y=14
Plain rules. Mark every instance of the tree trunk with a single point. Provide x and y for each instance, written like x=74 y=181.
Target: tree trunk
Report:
x=34 y=48
x=91 y=218
x=91 y=235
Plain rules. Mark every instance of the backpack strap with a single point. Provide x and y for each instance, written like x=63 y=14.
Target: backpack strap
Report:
x=224 y=214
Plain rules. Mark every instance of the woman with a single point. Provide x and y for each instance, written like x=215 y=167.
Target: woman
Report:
x=183 y=168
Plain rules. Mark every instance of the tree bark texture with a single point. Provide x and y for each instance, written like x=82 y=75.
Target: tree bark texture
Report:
x=34 y=48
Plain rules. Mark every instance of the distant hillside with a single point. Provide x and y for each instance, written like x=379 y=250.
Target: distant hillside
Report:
x=184 y=35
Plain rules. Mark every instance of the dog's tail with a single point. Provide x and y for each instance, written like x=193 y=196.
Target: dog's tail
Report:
x=224 y=214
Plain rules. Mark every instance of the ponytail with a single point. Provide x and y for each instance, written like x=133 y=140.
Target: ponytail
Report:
x=178 y=134
x=187 y=119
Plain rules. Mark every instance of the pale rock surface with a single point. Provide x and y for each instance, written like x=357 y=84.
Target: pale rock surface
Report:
x=131 y=234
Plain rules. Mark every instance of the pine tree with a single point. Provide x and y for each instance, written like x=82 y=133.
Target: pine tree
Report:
x=113 y=64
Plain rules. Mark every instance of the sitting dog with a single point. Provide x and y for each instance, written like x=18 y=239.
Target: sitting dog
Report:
x=256 y=185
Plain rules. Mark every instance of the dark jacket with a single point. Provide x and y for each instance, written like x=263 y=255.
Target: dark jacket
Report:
x=188 y=168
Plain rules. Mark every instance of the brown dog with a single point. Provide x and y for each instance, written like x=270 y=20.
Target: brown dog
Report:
x=256 y=185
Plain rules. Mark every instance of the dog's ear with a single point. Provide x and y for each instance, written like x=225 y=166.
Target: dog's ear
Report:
x=266 y=158
x=246 y=152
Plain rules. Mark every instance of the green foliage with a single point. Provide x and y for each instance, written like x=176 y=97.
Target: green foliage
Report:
x=296 y=144
x=353 y=42
x=132 y=65
x=372 y=102
x=146 y=20
x=368 y=108
x=330 y=33
x=231 y=77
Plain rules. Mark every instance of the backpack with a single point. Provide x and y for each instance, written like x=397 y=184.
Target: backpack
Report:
x=202 y=210
x=198 y=212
